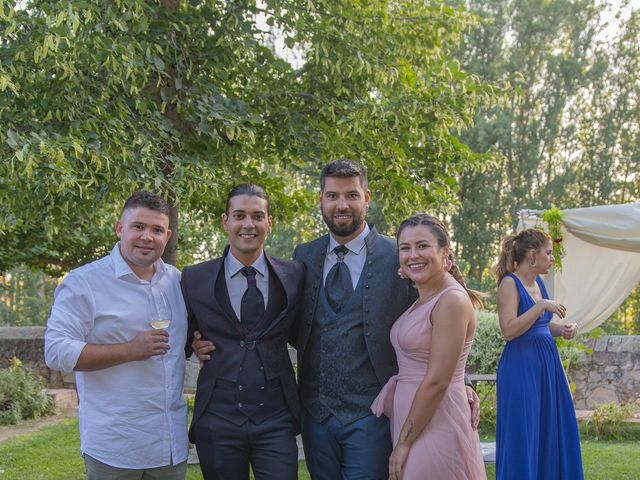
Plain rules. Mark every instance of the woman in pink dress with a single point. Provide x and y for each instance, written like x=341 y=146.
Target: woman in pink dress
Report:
x=427 y=402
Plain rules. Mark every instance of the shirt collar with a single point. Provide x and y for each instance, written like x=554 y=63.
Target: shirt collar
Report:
x=234 y=265
x=123 y=269
x=356 y=245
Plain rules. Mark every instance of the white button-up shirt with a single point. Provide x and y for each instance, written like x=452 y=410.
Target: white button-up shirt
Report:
x=132 y=415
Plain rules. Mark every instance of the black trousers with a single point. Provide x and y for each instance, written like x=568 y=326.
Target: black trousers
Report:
x=226 y=450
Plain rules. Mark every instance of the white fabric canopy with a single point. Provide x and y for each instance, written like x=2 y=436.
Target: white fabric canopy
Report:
x=602 y=261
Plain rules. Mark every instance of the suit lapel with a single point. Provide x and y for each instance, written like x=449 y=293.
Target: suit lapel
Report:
x=220 y=294
x=280 y=275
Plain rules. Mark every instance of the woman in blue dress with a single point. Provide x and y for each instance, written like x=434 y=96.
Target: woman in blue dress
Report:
x=537 y=432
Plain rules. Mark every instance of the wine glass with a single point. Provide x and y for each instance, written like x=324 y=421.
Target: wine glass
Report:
x=160 y=310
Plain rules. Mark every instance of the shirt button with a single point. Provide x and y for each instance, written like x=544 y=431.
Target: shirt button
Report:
x=366 y=286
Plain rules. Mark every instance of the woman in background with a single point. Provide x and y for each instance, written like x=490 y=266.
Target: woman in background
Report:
x=427 y=403
x=537 y=432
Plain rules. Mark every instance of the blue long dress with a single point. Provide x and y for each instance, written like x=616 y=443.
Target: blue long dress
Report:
x=536 y=432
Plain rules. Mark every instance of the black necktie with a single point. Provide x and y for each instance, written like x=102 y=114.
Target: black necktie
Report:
x=338 y=283
x=252 y=306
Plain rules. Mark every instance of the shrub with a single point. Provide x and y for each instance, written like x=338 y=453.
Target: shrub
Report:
x=22 y=396
x=487 y=344
x=607 y=418
x=488 y=409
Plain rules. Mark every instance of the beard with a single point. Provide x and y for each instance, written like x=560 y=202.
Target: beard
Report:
x=344 y=230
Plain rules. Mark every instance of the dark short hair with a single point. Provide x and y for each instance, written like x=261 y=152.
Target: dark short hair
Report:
x=250 y=189
x=142 y=198
x=344 y=168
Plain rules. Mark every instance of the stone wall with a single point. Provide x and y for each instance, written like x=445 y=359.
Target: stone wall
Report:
x=27 y=344
x=610 y=374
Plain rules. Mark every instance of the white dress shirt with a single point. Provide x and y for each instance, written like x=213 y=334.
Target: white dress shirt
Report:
x=237 y=282
x=355 y=259
x=132 y=415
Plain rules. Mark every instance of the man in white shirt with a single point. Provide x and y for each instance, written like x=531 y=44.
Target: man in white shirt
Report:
x=132 y=414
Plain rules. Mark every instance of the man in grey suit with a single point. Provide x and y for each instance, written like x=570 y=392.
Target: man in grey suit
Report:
x=352 y=297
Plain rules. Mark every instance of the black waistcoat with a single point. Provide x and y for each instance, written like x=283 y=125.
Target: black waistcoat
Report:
x=250 y=395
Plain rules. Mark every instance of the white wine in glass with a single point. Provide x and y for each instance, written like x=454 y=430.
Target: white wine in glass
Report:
x=160 y=310
x=159 y=324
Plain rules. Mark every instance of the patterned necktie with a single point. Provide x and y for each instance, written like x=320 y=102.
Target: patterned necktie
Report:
x=338 y=283
x=252 y=306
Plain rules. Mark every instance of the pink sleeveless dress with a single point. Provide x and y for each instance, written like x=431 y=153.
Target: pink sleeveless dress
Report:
x=448 y=448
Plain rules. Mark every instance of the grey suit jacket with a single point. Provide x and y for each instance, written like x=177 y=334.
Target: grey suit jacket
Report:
x=384 y=299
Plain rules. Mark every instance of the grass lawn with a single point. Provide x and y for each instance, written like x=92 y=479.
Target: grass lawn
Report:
x=53 y=454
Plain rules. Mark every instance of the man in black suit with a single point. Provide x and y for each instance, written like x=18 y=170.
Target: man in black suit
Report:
x=246 y=406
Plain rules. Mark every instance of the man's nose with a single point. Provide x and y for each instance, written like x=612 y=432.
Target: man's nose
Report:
x=341 y=203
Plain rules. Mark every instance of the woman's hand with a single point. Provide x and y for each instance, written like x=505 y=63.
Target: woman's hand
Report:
x=569 y=331
x=397 y=460
x=554 y=307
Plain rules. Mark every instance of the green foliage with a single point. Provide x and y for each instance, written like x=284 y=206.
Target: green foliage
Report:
x=545 y=151
x=607 y=418
x=187 y=98
x=572 y=351
x=488 y=408
x=553 y=218
x=488 y=344
x=22 y=396
x=626 y=320
x=25 y=297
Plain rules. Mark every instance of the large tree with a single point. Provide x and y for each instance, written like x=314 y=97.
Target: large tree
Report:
x=187 y=98
x=567 y=135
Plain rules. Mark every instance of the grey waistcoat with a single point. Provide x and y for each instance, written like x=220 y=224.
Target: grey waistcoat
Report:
x=339 y=378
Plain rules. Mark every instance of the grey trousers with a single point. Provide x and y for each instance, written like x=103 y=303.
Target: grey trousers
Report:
x=97 y=470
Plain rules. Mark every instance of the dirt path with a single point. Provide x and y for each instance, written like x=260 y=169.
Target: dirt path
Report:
x=28 y=426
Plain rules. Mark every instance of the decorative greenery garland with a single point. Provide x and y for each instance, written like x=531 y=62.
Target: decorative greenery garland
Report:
x=553 y=218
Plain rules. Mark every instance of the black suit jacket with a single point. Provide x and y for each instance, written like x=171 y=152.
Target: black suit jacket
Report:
x=208 y=314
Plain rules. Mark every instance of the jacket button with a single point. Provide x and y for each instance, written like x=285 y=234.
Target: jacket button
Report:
x=366 y=286
x=240 y=405
x=262 y=388
x=242 y=343
x=240 y=387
